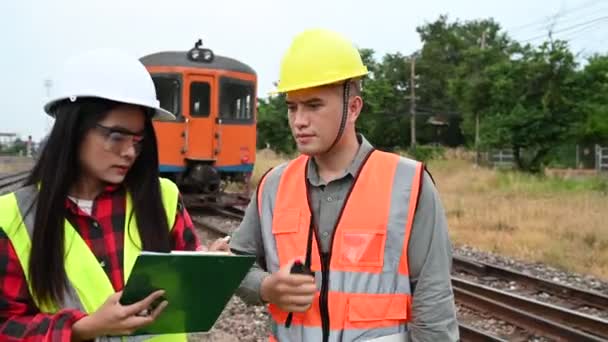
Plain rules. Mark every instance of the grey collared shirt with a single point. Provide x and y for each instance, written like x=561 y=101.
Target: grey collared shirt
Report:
x=429 y=252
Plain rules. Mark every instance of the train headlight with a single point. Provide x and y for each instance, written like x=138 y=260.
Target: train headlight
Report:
x=207 y=55
x=198 y=54
x=194 y=54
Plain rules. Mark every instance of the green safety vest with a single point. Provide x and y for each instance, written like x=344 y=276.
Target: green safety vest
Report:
x=88 y=290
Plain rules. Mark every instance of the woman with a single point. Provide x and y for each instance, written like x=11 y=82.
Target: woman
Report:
x=69 y=238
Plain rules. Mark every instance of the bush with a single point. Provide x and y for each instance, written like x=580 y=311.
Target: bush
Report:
x=425 y=153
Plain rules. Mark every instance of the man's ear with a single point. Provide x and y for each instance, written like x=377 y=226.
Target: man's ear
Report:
x=355 y=105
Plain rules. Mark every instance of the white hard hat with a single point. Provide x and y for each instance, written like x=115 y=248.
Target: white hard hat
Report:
x=108 y=74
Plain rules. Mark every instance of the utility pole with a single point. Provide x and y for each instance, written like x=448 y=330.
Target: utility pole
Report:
x=48 y=83
x=413 y=101
x=478 y=153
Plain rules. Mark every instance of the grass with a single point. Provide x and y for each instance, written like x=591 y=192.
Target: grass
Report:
x=556 y=220
x=552 y=220
x=265 y=160
x=539 y=184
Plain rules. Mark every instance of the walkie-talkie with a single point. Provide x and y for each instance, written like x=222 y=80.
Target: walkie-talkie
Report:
x=297 y=268
x=303 y=268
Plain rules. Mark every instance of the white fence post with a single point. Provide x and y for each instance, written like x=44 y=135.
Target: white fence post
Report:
x=601 y=158
x=502 y=157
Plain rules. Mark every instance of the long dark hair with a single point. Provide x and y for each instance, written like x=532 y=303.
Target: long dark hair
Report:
x=56 y=170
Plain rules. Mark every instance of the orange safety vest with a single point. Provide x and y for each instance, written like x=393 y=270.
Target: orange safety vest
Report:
x=363 y=282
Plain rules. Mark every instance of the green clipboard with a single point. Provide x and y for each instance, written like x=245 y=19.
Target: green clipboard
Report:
x=197 y=285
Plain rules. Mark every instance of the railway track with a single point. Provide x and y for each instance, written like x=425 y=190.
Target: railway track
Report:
x=468 y=333
x=549 y=291
x=211 y=213
x=229 y=206
x=11 y=181
x=558 y=320
x=561 y=316
x=542 y=319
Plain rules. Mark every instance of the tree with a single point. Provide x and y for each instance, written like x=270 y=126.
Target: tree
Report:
x=453 y=57
x=448 y=48
x=383 y=119
x=470 y=83
x=532 y=107
x=592 y=104
x=19 y=147
x=273 y=125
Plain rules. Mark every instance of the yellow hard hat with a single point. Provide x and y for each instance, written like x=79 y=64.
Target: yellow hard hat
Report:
x=318 y=57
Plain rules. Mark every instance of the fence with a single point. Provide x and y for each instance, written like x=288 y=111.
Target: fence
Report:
x=588 y=157
x=502 y=158
x=601 y=158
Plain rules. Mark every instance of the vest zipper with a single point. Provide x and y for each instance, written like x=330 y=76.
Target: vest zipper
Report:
x=323 y=298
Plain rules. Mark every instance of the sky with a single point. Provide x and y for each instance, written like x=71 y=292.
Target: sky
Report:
x=37 y=36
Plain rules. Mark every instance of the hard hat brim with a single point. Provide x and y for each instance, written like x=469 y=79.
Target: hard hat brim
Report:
x=162 y=114
x=310 y=85
x=159 y=112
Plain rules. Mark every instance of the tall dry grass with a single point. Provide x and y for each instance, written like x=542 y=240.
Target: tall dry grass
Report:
x=555 y=221
x=561 y=222
x=265 y=160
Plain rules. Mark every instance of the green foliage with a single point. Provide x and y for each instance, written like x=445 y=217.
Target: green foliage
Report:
x=593 y=108
x=383 y=119
x=426 y=153
x=272 y=125
x=19 y=147
x=562 y=157
x=534 y=100
x=450 y=58
x=532 y=104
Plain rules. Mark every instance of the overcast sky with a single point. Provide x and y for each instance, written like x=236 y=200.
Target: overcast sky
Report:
x=36 y=36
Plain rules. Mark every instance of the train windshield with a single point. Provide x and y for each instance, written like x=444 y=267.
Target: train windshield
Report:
x=236 y=100
x=168 y=92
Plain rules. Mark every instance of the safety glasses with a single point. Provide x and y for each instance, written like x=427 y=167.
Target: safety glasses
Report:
x=117 y=140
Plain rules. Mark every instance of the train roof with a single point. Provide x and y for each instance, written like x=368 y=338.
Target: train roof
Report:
x=180 y=58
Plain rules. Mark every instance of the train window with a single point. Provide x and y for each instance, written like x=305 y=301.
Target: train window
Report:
x=200 y=97
x=236 y=100
x=168 y=92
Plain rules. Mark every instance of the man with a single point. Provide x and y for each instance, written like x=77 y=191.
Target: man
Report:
x=369 y=224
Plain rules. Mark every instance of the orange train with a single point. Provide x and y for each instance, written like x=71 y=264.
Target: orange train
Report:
x=213 y=138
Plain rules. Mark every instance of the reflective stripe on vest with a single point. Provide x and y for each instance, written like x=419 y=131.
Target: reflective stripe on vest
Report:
x=369 y=287
x=86 y=291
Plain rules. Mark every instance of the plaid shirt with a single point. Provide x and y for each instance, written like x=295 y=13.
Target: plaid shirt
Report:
x=103 y=231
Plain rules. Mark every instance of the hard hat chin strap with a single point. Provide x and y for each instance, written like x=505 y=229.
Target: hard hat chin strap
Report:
x=346 y=94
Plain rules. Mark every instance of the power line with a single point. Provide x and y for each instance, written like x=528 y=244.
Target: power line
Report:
x=571 y=35
x=574 y=20
x=560 y=14
x=589 y=22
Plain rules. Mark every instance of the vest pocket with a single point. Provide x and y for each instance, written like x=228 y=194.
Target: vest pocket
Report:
x=376 y=307
x=286 y=221
x=290 y=230
x=362 y=248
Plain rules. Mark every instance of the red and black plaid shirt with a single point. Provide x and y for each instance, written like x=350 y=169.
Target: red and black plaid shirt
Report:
x=103 y=231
